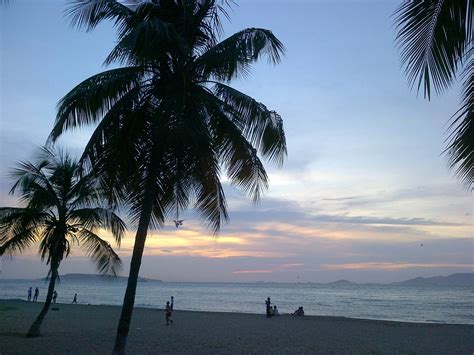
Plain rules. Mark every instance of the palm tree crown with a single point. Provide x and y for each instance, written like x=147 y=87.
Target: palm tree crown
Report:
x=61 y=209
x=170 y=113
x=436 y=41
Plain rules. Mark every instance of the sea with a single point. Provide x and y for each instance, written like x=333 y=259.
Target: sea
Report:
x=426 y=304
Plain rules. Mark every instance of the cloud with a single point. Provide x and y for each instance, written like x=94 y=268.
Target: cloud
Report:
x=252 y=271
x=342 y=198
x=416 y=221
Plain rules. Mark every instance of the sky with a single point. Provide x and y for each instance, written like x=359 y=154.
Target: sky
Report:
x=364 y=194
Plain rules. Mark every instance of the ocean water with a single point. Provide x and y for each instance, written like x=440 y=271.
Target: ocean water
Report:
x=431 y=304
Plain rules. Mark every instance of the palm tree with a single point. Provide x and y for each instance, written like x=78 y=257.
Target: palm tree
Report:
x=61 y=210
x=436 y=41
x=168 y=123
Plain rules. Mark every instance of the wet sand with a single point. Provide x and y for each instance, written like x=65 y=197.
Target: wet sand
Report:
x=83 y=329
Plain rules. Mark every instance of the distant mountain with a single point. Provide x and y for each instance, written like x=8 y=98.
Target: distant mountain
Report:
x=93 y=277
x=460 y=279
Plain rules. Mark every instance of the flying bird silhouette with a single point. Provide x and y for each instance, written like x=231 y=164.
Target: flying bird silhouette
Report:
x=178 y=222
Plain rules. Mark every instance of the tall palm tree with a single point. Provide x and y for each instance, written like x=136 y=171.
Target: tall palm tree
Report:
x=436 y=41
x=168 y=123
x=61 y=209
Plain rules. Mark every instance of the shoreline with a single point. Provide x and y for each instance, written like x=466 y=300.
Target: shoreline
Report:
x=250 y=313
x=91 y=329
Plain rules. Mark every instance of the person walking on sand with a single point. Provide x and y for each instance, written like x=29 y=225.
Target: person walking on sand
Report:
x=35 y=297
x=172 y=303
x=30 y=290
x=75 y=299
x=55 y=295
x=268 y=305
x=168 y=313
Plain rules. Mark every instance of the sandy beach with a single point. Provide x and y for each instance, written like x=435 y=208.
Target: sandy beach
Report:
x=82 y=329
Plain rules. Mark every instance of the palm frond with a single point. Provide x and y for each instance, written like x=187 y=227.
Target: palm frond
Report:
x=88 y=14
x=460 y=140
x=18 y=241
x=233 y=56
x=433 y=36
x=100 y=252
x=94 y=218
x=261 y=126
x=143 y=44
x=89 y=101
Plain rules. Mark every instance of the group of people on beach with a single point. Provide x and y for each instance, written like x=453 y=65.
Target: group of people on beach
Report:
x=30 y=292
x=55 y=296
x=273 y=311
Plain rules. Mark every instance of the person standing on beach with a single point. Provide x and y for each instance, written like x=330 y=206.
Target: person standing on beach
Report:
x=172 y=303
x=55 y=295
x=35 y=297
x=168 y=311
x=268 y=304
x=30 y=290
x=75 y=299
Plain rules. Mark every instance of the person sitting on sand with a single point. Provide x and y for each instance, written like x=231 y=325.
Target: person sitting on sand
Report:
x=268 y=305
x=75 y=299
x=55 y=295
x=299 y=312
x=168 y=313
x=275 y=311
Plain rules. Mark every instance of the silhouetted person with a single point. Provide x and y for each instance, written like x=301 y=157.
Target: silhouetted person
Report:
x=268 y=304
x=55 y=295
x=30 y=290
x=299 y=312
x=75 y=299
x=172 y=303
x=168 y=311
x=275 y=311
x=35 y=297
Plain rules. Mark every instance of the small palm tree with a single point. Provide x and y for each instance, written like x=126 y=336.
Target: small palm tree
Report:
x=62 y=209
x=436 y=40
x=169 y=123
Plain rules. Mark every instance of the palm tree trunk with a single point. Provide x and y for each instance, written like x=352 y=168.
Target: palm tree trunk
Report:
x=129 y=299
x=36 y=326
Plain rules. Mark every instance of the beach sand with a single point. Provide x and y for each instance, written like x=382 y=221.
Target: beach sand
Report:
x=84 y=329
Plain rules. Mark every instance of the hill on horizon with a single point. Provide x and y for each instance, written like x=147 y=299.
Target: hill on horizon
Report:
x=458 y=279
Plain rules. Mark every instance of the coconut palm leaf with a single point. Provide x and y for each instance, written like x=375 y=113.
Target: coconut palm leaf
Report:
x=433 y=36
x=460 y=140
x=99 y=251
x=93 y=98
x=436 y=41
x=233 y=56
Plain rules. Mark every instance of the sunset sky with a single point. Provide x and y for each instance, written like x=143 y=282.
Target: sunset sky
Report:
x=365 y=183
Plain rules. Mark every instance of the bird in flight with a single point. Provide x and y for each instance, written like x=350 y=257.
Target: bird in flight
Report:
x=178 y=222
